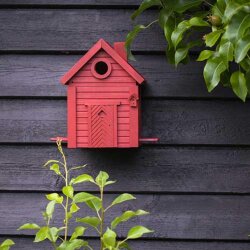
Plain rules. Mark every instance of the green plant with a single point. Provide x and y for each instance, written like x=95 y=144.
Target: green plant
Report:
x=69 y=201
x=6 y=245
x=226 y=24
x=108 y=238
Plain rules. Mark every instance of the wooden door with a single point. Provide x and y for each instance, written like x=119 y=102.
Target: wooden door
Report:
x=102 y=125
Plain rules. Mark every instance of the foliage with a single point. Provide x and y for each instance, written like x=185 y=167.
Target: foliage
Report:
x=69 y=202
x=6 y=245
x=226 y=24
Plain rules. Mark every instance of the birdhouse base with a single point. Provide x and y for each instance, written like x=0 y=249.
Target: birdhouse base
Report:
x=141 y=140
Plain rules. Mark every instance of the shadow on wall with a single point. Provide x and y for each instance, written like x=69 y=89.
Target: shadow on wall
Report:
x=124 y=159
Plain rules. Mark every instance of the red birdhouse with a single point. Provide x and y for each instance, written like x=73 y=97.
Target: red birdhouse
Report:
x=103 y=99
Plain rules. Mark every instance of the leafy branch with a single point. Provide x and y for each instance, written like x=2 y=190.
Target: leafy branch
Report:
x=224 y=48
x=65 y=201
x=69 y=202
x=108 y=238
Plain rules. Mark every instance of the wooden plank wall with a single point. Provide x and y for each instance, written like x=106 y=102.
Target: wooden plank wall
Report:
x=195 y=181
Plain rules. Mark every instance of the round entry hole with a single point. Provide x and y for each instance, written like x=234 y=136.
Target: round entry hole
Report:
x=101 y=68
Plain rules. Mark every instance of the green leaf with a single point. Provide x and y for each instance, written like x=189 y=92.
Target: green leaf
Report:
x=42 y=234
x=83 y=197
x=72 y=245
x=225 y=78
x=123 y=245
x=50 y=209
x=212 y=71
x=7 y=244
x=126 y=216
x=68 y=191
x=243 y=25
x=181 y=6
x=69 y=215
x=130 y=38
x=122 y=198
x=212 y=38
x=55 y=167
x=74 y=208
x=237 y=27
x=109 y=238
x=50 y=161
x=92 y=221
x=79 y=167
x=177 y=34
x=245 y=64
x=95 y=204
x=137 y=231
x=145 y=5
x=219 y=8
x=226 y=51
x=170 y=54
x=164 y=16
x=198 y=22
x=29 y=226
x=232 y=7
x=242 y=47
x=204 y=55
x=110 y=183
x=79 y=231
x=247 y=76
x=53 y=234
x=101 y=179
x=238 y=82
x=168 y=30
x=55 y=197
x=82 y=178
x=180 y=55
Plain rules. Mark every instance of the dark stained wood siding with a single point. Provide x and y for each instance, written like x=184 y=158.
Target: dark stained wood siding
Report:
x=195 y=181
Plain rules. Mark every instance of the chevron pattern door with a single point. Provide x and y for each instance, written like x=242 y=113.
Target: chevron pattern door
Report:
x=102 y=126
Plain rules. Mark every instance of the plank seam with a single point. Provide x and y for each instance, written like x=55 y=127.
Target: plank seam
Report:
x=149 y=239
x=159 y=193
x=100 y=6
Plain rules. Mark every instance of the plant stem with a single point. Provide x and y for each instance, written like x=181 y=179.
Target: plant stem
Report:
x=208 y=3
x=122 y=242
x=89 y=247
x=163 y=4
x=59 y=143
x=155 y=21
x=102 y=219
x=67 y=200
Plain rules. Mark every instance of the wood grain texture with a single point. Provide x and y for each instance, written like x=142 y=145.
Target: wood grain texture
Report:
x=38 y=75
x=28 y=244
x=72 y=29
x=148 y=169
x=174 y=122
x=68 y=3
x=179 y=217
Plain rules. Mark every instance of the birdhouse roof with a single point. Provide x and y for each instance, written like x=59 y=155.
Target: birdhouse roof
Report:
x=101 y=44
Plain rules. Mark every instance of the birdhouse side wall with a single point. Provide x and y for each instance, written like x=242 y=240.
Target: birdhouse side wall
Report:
x=111 y=95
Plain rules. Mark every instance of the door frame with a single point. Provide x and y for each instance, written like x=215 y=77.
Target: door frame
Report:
x=114 y=104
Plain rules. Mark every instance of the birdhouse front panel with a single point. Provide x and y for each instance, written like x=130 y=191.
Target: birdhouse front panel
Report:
x=103 y=99
x=106 y=108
